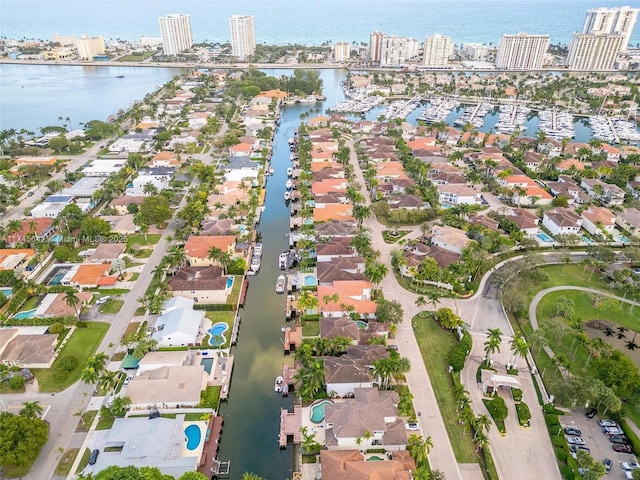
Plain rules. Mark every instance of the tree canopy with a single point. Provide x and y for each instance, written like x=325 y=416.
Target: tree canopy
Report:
x=21 y=439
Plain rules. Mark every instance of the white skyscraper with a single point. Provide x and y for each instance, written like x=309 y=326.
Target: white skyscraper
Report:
x=590 y=51
x=613 y=21
x=375 y=46
x=522 y=51
x=437 y=50
x=243 y=37
x=396 y=51
x=175 y=30
x=342 y=51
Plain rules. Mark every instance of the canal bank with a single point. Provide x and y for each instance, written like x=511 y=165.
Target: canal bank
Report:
x=252 y=413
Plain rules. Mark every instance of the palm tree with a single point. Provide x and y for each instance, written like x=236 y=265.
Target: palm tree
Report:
x=307 y=300
x=72 y=300
x=251 y=476
x=376 y=272
x=89 y=375
x=419 y=448
x=519 y=348
x=149 y=189
x=481 y=440
x=483 y=422
x=492 y=344
x=31 y=409
x=98 y=361
x=421 y=302
x=109 y=379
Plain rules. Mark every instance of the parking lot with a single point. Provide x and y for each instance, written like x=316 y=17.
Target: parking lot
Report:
x=597 y=442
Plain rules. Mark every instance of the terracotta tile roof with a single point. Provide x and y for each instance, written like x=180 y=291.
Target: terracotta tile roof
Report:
x=349 y=294
x=333 y=212
x=328 y=164
x=350 y=465
x=198 y=278
x=199 y=246
x=329 y=185
x=600 y=214
x=273 y=94
x=41 y=226
x=90 y=273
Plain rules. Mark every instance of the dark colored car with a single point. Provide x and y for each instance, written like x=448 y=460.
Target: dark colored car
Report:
x=608 y=463
x=575 y=448
x=622 y=448
x=592 y=413
x=619 y=439
x=572 y=431
x=93 y=458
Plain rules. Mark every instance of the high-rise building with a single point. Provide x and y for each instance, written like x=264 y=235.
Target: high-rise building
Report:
x=614 y=21
x=342 y=51
x=522 y=51
x=89 y=47
x=175 y=30
x=590 y=51
x=243 y=36
x=396 y=50
x=475 y=52
x=437 y=50
x=375 y=46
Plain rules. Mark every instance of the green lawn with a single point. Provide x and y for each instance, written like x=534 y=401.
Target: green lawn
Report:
x=210 y=398
x=84 y=461
x=311 y=328
x=86 y=421
x=142 y=240
x=226 y=317
x=65 y=463
x=137 y=57
x=234 y=296
x=105 y=423
x=111 y=306
x=82 y=345
x=134 y=276
x=574 y=274
x=436 y=346
x=30 y=303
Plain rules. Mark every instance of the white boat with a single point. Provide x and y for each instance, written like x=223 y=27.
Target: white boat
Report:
x=280 y=284
x=283 y=261
x=278 y=384
x=289 y=171
x=289 y=184
x=257 y=249
x=287 y=195
x=255 y=263
x=271 y=170
x=292 y=157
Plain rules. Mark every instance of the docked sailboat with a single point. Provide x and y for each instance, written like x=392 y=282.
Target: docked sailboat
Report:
x=289 y=184
x=281 y=283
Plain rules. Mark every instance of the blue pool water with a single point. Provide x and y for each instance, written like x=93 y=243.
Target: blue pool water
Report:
x=208 y=364
x=544 y=237
x=374 y=458
x=217 y=334
x=6 y=291
x=362 y=325
x=57 y=238
x=446 y=205
x=624 y=239
x=310 y=281
x=317 y=411
x=586 y=239
x=194 y=435
x=229 y=282
x=25 y=314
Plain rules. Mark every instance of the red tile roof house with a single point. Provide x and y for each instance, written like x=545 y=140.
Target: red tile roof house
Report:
x=197 y=248
x=40 y=228
x=598 y=221
x=351 y=296
x=240 y=150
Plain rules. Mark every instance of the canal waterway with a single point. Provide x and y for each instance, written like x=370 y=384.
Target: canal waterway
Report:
x=252 y=413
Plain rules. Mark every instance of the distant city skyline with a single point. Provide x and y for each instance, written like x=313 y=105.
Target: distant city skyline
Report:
x=175 y=30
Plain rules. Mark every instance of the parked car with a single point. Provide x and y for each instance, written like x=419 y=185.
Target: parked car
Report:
x=126 y=381
x=575 y=440
x=413 y=426
x=592 y=413
x=102 y=300
x=93 y=458
x=621 y=448
x=572 y=431
x=607 y=423
x=608 y=431
x=575 y=448
x=619 y=439
x=608 y=463
x=630 y=465
x=30 y=194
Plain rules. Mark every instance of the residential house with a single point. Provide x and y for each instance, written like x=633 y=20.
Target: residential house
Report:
x=197 y=248
x=370 y=410
x=330 y=212
x=342 y=297
x=202 y=284
x=408 y=202
x=351 y=465
x=179 y=325
x=458 y=194
x=598 y=221
x=53 y=205
x=449 y=238
x=418 y=252
x=533 y=160
x=103 y=167
x=340 y=268
x=566 y=187
x=16 y=259
x=121 y=204
x=241 y=168
x=165 y=159
x=27 y=347
x=526 y=220
x=158 y=177
x=32 y=229
x=352 y=370
x=84 y=187
x=607 y=193
x=89 y=275
x=335 y=248
x=562 y=221
x=629 y=219
x=106 y=252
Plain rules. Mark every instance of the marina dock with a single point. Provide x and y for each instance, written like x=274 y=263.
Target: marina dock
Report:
x=290 y=423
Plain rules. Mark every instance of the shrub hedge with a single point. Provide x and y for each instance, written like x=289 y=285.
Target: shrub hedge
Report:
x=214 y=307
x=459 y=354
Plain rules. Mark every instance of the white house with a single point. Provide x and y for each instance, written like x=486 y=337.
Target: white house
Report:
x=449 y=238
x=598 y=220
x=562 y=221
x=605 y=192
x=179 y=325
x=159 y=177
x=457 y=194
x=352 y=370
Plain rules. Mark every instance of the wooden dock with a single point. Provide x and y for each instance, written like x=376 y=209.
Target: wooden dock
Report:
x=290 y=423
x=234 y=331
x=292 y=338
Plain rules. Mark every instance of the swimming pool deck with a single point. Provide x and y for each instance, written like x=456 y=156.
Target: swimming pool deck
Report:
x=221 y=373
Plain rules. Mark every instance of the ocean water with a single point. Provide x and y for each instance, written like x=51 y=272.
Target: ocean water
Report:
x=304 y=21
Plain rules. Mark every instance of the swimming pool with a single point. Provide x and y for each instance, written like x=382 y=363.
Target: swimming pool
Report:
x=586 y=239
x=544 y=237
x=194 y=435
x=57 y=238
x=6 y=291
x=310 y=281
x=446 y=205
x=624 y=239
x=317 y=410
x=217 y=334
x=25 y=314
x=374 y=458
x=229 y=282
x=362 y=325
x=208 y=364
